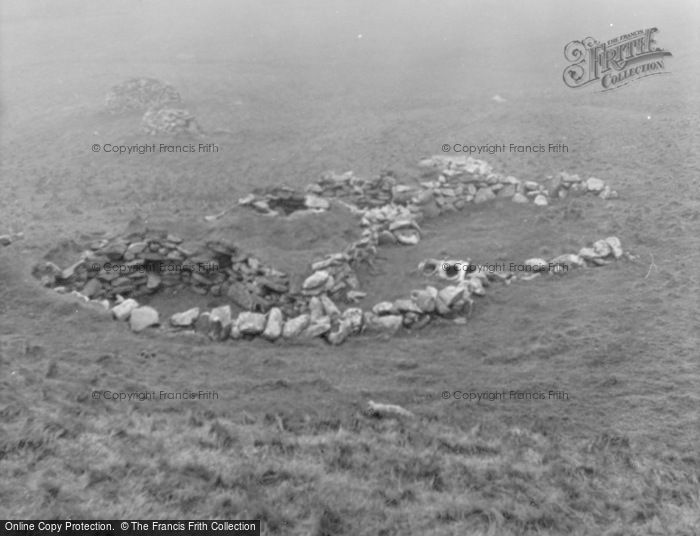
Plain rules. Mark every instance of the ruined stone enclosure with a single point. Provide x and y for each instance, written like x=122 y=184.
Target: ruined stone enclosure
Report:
x=303 y=279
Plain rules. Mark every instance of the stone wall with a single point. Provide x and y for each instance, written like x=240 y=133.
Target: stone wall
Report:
x=114 y=273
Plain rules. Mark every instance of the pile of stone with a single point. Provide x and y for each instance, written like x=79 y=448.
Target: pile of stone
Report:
x=170 y=121
x=463 y=179
x=144 y=263
x=321 y=317
x=393 y=224
x=359 y=192
x=313 y=313
x=392 y=212
x=333 y=275
x=125 y=268
x=476 y=277
x=140 y=94
x=281 y=199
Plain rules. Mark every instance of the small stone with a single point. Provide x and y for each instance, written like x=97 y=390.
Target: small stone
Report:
x=153 y=282
x=318 y=327
x=531 y=185
x=92 y=287
x=330 y=308
x=104 y=304
x=587 y=254
x=316 y=309
x=404 y=224
x=507 y=191
x=541 y=201
x=595 y=185
x=247 y=200
x=520 y=198
x=275 y=320
x=483 y=195
x=335 y=259
x=404 y=305
x=448 y=298
x=339 y=332
x=218 y=329
x=240 y=295
x=235 y=332
x=251 y=323
x=407 y=237
x=602 y=248
x=425 y=299
x=134 y=249
x=122 y=310
x=143 y=317
x=475 y=286
x=293 y=327
x=316 y=202
x=355 y=317
x=386 y=324
x=261 y=206
x=409 y=319
x=384 y=308
x=375 y=409
x=316 y=280
x=536 y=265
x=605 y=193
x=221 y=314
x=71 y=270
x=114 y=251
x=555 y=184
x=353 y=296
x=424 y=197
x=387 y=238
x=615 y=246
x=185 y=319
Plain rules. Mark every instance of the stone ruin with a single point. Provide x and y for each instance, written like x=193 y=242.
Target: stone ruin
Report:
x=274 y=305
x=460 y=180
x=170 y=121
x=141 y=94
x=158 y=101
x=394 y=210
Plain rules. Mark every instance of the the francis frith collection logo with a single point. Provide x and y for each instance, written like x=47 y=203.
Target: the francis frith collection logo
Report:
x=616 y=62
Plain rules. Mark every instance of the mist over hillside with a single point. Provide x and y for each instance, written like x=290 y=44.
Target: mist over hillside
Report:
x=287 y=98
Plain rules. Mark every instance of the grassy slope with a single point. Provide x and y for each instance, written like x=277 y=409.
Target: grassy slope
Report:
x=287 y=440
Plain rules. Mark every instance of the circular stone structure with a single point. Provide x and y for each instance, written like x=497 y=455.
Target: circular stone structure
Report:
x=139 y=94
x=170 y=121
